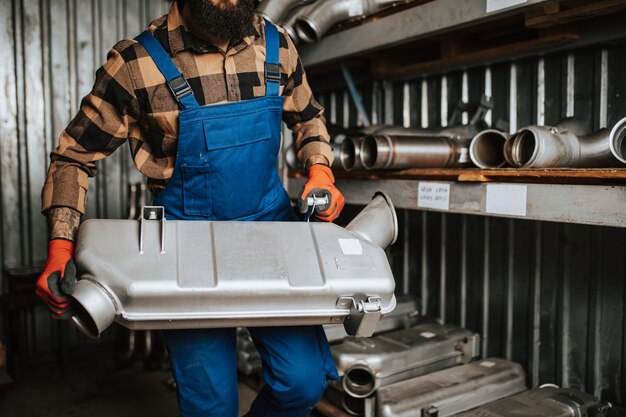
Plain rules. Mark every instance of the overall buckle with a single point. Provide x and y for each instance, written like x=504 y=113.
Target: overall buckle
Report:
x=272 y=72
x=179 y=87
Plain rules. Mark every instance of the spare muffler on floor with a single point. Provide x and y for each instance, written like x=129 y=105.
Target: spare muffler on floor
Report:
x=168 y=274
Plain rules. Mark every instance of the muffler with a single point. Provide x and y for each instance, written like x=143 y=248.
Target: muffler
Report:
x=276 y=10
x=567 y=144
x=487 y=149
x=327 y=13
x=204 y=274
x=367 y=364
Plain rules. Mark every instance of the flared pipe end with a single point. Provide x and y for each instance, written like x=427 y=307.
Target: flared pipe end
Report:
x=376 y=152
x=525 y=146
x=359 y=381
x=377 y=222
x=308 y=30
x=487 y=149
x=617 y=140
x=94 y=308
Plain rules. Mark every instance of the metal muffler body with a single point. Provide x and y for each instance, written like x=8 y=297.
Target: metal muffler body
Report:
x=365 y=365
x=327 y=13
x=276 y=10
x=452 y=391
x=543 y=402
x=567 y=144
x=487 y=149
x=168 y=274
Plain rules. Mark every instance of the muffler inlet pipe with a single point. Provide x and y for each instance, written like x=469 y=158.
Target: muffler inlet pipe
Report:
x=276 y=10
x=327 y=13
x=377 y=222
x=561 y=146
x=487 y=149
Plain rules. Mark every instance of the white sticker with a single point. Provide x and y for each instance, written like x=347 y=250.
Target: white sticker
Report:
x=428 y=335
x=495 y=5
x=434 y=195
x=350 y=246
x=509 y=199
x=355 y=8
x=487 y=364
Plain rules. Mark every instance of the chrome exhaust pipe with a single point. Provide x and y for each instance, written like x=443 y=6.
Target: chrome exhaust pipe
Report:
x=276 y=10
x=327 y=13
x=377 y=222
x=487 y=149
x=95 y=307
x=289 y=22
x=403 y=152
x=617 y=142
x=564 y=145
x=350 y=155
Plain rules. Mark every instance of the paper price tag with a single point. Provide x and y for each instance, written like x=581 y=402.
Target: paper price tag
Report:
x=495 y=5
x=509 y=199
x=435 y=195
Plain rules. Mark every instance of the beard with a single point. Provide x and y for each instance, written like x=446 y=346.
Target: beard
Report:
x=224 y=20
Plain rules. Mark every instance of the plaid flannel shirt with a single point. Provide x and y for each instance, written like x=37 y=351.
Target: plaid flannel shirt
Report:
x=130 y=102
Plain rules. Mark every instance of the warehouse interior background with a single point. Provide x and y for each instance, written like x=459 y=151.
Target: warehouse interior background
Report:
x=548 y=295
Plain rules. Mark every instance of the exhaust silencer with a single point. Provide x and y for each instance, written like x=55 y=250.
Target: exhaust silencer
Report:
x=169 y=274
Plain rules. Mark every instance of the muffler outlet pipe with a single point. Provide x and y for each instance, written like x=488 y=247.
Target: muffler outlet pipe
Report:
x=94 y=308
x=350 y=155
x=359 y=381
x=617 y=142
x=554 y=147
x=276 y=10
x=487 y=149
x=403 y=152
x=327 y=13
x=377 y=222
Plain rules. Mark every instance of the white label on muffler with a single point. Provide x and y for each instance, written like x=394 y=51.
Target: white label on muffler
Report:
x=495 y=5
x=355 y=8
x=435 y=195
x=350 y=246
x=508 y=199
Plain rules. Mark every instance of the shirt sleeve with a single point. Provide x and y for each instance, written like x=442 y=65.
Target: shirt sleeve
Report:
x=100 y=126
x=303 y=114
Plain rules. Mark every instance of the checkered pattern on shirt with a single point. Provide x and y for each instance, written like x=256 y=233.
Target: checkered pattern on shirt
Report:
x=130 y=102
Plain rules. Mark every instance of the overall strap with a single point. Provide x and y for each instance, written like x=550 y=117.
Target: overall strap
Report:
x=272 y=60
x=175 y=80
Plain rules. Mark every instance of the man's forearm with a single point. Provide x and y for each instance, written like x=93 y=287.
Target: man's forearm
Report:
x=63 y=223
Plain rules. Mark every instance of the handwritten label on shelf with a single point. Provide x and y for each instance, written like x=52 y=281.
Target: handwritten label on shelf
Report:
x=495 y=5
x=435 y=195
x=508 y=199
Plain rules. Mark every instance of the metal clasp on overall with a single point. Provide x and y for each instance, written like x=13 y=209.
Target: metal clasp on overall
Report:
x=179 y=87
x=272 y=72
x=364 y=315
x=152 y=213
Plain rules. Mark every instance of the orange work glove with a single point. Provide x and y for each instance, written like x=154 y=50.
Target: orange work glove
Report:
x=321 y=183
x=58 y=275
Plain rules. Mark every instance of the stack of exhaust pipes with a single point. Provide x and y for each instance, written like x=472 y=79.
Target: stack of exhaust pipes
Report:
x=569 y=144
x=308 y=22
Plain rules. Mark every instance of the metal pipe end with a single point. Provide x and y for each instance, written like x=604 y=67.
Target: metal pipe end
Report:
x=293 y=34
x=376 y=152
x=308 y=30
x=94 y=308
x=354 y=406
x=377 y=222
x=359 y=381
x=525 y=147
x=617 y=141
x=351 y=154
x=487 y=149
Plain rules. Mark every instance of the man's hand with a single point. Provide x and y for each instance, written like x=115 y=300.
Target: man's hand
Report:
x=58 y=278
x=321 y=183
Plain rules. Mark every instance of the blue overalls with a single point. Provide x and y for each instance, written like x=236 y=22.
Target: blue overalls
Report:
x=226 y=170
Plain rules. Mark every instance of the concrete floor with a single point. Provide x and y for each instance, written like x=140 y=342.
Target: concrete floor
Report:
x=94 y=388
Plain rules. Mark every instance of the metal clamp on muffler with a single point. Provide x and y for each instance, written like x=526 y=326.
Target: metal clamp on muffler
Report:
x=169 y=274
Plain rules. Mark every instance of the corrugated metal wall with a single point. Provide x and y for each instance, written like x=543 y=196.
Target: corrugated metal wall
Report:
x=50 y=51
x=547 y=295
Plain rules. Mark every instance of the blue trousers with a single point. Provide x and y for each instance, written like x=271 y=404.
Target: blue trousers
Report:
x=296 y=368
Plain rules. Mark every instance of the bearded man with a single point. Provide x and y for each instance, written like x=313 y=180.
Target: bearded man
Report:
x=199 y=97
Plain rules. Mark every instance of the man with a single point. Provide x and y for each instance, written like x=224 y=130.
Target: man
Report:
x=208 y=141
